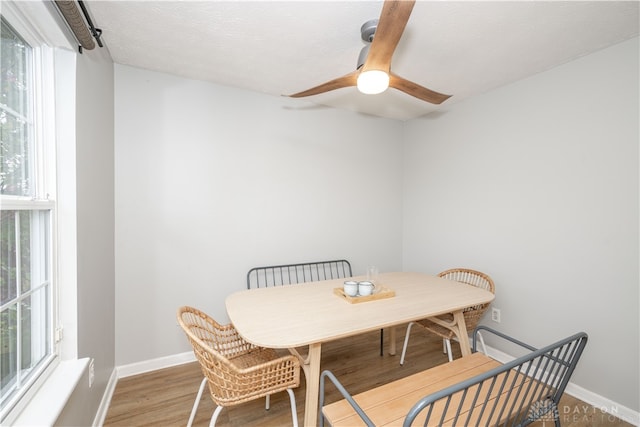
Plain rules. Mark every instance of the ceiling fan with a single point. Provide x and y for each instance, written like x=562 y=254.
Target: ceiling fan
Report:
x=373 y=73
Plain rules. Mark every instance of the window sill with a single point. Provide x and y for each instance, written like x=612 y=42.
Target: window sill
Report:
x=50 y=399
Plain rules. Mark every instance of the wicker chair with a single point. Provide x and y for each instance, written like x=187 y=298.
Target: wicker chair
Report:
x=236 y=370
x=472 y=315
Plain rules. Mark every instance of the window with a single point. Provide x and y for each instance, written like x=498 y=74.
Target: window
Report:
x=26 y=222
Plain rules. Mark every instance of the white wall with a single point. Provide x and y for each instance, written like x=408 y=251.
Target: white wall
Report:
x=92 y=188
x=536 y=184
x=95 y=217
x=211 y=181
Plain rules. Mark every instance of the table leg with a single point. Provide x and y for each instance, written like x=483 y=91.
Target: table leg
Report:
x=312 y=374
x=392 y=341
x=463 y=337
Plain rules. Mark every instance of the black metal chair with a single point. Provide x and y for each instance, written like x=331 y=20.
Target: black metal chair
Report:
x=289 y=274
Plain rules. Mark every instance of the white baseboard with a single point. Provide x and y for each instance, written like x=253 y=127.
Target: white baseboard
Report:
x=611 y=408
x=135 y=369
x=155 y=364
x=569 y=416
x=101 y=414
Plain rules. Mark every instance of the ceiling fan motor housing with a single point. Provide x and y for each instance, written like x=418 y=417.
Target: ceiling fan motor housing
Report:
x=367 y=31
x=363 y=56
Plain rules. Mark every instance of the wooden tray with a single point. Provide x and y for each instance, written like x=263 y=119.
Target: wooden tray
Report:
x=380 y=294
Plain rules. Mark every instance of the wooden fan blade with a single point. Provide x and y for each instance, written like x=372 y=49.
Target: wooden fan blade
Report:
x=393 y=20
x=413 y=89
x=348 y=80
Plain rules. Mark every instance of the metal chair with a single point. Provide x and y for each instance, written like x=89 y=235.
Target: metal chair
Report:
x=476 y=391
x=472 y=315
x=289 y=274
x=236 y=370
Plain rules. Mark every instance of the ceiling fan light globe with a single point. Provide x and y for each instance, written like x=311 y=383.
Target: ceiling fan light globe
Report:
x=373 y=82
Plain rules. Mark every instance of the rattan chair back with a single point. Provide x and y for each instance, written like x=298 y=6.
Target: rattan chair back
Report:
x=472 y=315
x=236 y=370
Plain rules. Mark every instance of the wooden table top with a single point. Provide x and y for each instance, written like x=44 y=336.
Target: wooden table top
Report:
x=298 y=315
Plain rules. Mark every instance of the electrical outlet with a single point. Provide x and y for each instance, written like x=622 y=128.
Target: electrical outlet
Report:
x=495 y=315
x=92 y=373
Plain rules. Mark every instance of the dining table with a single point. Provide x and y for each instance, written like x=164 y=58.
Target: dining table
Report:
x=307 y=315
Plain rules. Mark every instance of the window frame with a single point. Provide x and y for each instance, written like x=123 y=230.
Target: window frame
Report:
x=43 y=145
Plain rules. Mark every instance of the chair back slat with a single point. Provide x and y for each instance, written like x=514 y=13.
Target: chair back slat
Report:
x=519 y=392
x=289 y=274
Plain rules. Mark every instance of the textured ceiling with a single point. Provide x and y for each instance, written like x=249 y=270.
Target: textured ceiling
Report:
x=461 y=48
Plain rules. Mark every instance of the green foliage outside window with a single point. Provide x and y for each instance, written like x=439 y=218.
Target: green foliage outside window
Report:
x=14 y=113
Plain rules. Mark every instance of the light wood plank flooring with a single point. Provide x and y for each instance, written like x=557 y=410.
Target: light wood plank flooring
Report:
x=165 y=397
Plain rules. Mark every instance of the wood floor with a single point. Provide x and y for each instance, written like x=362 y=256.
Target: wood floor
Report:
x=165 y=397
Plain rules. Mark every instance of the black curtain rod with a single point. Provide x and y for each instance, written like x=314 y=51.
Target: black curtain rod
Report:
x=95 y=32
